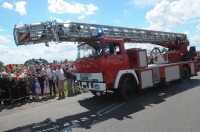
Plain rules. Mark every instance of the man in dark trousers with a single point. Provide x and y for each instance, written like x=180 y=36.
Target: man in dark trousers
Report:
x=13 y=88
x=22 y=87
x=51 y=75
x=15 y=91
x=69 y=78
x=41 y=78
x=6 y=89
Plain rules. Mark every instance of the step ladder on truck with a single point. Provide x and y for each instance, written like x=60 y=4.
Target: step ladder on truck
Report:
x=103 y=63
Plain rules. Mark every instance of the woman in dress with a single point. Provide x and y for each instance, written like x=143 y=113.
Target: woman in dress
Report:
x=38 y=88
x=46 y=87
x=41 y=78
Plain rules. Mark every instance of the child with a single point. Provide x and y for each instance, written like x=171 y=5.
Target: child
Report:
x=46 y=87
x=38 y=88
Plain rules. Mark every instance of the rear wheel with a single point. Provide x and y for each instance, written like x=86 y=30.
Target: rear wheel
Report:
x=185 y=74
x=126 y=89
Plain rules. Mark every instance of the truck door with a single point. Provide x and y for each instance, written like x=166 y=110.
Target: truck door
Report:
x=114 y=60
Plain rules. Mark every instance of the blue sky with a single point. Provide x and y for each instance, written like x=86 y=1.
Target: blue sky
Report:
x=182 y=16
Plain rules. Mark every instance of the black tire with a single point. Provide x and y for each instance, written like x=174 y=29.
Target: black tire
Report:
x=185 y=74
x=94 y=93
x=126 y=89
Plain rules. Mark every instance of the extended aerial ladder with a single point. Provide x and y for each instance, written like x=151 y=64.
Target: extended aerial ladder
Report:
x=99 y=68
x=45 y=32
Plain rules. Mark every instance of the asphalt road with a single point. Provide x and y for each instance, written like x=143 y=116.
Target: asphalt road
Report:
x=167 y=108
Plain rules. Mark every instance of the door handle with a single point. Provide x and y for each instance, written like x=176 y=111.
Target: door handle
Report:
x=121 y=59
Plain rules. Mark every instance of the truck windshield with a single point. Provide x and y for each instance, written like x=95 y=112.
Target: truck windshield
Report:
x=89 y=49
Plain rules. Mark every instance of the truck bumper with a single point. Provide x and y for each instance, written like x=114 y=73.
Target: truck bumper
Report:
x=91 y=86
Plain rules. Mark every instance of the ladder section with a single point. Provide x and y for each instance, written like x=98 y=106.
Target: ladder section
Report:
x=45 y=32
x=82 y=31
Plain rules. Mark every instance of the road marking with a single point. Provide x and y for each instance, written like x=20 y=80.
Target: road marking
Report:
x=99 y=112
x=110 y=108
x=108 y=111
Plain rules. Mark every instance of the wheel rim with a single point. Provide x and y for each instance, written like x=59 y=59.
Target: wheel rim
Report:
x=185 y=75
x=129 y=88
x=126 y=89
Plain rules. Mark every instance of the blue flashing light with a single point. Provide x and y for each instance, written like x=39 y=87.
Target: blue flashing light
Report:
x=99 y=32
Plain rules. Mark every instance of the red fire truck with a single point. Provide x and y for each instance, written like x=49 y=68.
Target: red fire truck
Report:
x=103 y=63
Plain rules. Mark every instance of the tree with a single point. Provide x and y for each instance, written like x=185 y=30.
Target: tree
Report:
x=1 y=63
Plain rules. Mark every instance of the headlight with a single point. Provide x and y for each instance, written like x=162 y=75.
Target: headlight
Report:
x=96 y=86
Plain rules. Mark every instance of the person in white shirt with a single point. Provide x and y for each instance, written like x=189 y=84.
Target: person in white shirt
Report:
x=60 y=78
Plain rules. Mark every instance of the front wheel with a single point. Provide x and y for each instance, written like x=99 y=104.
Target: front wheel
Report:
x=94 y=93
x=126 y=89
x=185 y=74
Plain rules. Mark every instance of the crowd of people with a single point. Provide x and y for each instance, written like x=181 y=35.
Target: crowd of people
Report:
x=20 y=83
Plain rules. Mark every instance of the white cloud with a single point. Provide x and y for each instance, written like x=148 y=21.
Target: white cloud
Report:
x=144 y=2
x=167 y=14
x=20 y=7
x=81 y=17
x=195 y=41
x=57 y=19
x=7 y=5
x=18 y=55
x=61 y=51
x=2 y=47
x=60 y=6
x=60 y=20
x=20 y=23
x=198 y=28
x=90 y=9
x=187 y=32
x=3 y=39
